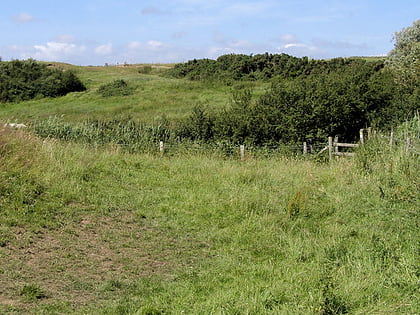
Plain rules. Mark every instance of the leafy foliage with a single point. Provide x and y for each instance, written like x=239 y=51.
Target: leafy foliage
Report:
x=305 y=108
x=115 y=88
x=256 y=67
x=24 y=80
x=404 y=59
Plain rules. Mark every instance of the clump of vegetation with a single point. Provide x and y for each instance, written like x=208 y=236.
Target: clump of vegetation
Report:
x=132 y=136
x=258 y=67
x=28 y=79
x=32 y=292
x=146 y=69
x=116 y=88
x=309 y=108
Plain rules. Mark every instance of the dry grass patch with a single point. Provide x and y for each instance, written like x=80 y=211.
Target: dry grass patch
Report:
x=80 y=262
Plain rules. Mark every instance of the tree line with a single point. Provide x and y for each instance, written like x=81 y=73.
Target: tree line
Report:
x=257 y=67
x=308 y=100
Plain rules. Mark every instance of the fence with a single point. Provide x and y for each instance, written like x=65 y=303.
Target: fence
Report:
x=333 y=146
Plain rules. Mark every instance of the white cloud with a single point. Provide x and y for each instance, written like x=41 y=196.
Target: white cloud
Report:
x=290 y=44
x=288 y=38
x=150 y=45
x=302 y=49
x=134 y=45
x=300 y=45
x=104 y=49
x=154 y=44
x=23 y=17
x=56 y=51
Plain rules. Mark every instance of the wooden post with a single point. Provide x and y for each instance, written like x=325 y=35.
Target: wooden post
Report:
x=330 y=147
x=336 y=146
x=391 y=140
x=305 y=148
x=161 y=147
x=369 y=133
x=362 y=139
x=242 y=150
x=407 y=149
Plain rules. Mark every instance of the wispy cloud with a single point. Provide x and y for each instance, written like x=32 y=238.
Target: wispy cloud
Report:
x=290 y=44
x=23 y=18
x=149 y=45
x=104 y=49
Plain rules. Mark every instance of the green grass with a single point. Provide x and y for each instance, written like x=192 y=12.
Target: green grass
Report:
x=154 y=96
x=87 y=230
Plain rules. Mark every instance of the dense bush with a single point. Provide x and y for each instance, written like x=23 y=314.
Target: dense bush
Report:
x=307 y=108
x=258 y=67
x=27 y=79
x=115 y=88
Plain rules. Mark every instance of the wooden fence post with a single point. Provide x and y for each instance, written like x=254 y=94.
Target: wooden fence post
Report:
x=330 y=147
x=161 y=147
x=336 y=146
x=242 y=149
x=391 y=140
x=305 y=148
x=362 y=139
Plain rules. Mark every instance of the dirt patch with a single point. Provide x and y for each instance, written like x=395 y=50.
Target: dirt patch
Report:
x=73 y=263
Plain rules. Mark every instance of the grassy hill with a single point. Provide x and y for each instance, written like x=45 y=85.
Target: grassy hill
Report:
x=154 y=95
x=94 y=229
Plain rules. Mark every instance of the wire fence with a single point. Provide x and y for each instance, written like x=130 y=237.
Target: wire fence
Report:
x=157 y=139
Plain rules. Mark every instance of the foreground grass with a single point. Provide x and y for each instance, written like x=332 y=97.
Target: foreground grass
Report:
x=100 y=231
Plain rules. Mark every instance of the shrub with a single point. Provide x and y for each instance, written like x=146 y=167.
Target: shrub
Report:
x=147 y=69
x=24 y=80
x=115 y=88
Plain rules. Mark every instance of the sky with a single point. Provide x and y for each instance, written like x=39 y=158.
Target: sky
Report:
x=95 y=32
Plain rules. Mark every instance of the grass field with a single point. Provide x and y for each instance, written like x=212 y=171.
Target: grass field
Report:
x=154 y=96
x=95 y=230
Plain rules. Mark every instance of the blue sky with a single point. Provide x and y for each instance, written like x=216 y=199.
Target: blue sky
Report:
x=101 y=31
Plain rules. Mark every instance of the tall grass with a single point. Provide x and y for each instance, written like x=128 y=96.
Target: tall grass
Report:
x=131 y=136
x=134 y=136
x=103 y=231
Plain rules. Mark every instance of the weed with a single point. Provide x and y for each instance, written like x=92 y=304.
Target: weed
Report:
x=296 y=204
x=332 y=304
x=32 y=292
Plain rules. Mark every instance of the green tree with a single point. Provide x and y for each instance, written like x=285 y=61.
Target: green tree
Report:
x=404 y=59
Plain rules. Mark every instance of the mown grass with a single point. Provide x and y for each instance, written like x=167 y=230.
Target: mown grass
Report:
x=97 y=230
